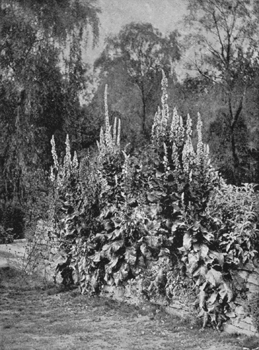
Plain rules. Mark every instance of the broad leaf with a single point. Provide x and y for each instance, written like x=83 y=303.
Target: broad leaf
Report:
x=212 y=299
x=214 y=277
x=187 y=241
x=204 y=249
x=115 y=246
x=131 y=256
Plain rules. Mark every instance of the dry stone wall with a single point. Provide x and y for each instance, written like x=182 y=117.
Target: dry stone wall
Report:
x=43 y=255
x=42 y=251
x=246 y=283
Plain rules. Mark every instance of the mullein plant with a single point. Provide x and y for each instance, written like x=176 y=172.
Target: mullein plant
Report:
x=64 y=175
x=109 y=149
x=118 y=214
x=109 y=142
x=209 y=242
x=60 y=172
x=172 y=138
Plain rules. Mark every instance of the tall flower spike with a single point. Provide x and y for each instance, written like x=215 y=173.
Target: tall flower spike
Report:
x=107 y=132
x=164 y=98
x=119 y=133
x=114 y=133
x=174 y=125
x=54 y=153
x=52 y=176
x=165 y=158
x=206 y=154
x=159 y=127
x=175 y=156
x=176 y=129
x=67 y=159
x=200 y=146
x=188 y=126
x=106 y=111
x=188 y=154
x=101 y=142
x=75 y=161
x=156 y=127
x=109 y=135
x=125 y=166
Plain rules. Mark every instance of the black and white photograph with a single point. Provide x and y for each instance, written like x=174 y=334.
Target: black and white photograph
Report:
x=129 y=174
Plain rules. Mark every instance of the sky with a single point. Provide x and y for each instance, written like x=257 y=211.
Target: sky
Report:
x=162 y=14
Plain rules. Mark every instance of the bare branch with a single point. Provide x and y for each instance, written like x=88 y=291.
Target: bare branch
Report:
x=219 y=36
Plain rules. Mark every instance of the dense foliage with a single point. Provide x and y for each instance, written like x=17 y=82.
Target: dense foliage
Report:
x=40 y=88
x=124 y=217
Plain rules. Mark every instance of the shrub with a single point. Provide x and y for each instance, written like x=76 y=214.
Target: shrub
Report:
x=5 y=236
x=38 y=200
x=13 y=220
x=233 y=212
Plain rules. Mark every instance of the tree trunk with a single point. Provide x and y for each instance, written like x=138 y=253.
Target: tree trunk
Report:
x=234 y=156
x=144 y=130
x=234 y=119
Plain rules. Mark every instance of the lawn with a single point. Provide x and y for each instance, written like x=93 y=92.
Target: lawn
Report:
x=36 y=316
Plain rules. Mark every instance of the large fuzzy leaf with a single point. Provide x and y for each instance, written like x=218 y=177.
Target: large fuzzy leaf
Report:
x=113 y=262
x=115 y=246
x=187 y=241
x=212 y=299
x=131 y=256
x=145 y=251
x=217 y=255
x=214 y=277
x=204 y=250
x=97 y=257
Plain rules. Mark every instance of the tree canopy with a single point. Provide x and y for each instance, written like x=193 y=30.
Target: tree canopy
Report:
x=42 y=75
x=224 y=43
x=142 y=51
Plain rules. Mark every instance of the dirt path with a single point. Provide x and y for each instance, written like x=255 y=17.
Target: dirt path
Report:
x=32 y=318
x=13 y=254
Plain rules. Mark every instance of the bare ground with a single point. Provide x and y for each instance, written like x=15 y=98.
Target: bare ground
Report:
x=34 y=316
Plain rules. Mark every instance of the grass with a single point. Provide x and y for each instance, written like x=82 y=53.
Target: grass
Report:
x=35 y=315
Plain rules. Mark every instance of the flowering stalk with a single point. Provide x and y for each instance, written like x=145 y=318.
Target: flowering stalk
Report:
x=109 y=141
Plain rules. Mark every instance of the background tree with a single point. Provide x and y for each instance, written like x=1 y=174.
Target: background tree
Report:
x=224 y=42
x=138 y=52
x=42 y=76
